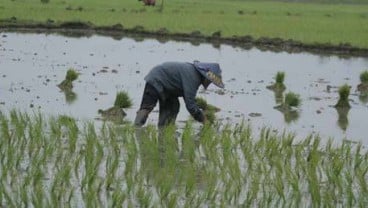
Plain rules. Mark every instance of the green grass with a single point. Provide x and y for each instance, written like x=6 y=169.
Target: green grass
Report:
x=57 y=162
x=307 y=22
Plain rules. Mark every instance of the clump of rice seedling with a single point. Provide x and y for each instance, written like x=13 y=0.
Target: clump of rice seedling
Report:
x=123 y=100
x=45 y=1
x=210 y=116
x=280 y=77
x=364 y=77
x=363 y=86
x=117 y=113
x=208 y=109
x=279 y=84
x=67 y=84
x=292 y=100
x=202 y=103
x=344 y=92
x=289 y=106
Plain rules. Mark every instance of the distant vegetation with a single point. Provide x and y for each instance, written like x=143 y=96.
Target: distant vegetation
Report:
x=299 y=20
x=319 y=1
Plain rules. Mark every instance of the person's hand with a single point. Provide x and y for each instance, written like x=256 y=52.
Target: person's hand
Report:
x=205 y=120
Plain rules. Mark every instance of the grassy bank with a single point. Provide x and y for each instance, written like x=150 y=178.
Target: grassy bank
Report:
x=306 y=22
x=54 y=162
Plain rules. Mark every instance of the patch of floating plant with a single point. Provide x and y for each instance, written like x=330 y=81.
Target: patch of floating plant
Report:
x=117 y=113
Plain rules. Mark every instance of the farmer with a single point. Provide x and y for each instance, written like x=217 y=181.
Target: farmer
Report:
x=170 y=80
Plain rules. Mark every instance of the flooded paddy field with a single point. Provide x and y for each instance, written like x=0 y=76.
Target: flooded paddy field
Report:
x=51 y=161
x=32 y=65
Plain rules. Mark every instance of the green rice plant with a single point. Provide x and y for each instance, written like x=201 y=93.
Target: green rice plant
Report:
x=203 y=104
x=344 y=92
x=116 y=113
x=122 y=100
x=363 y=87
x=280 y=77
x=270 y=170
x=172 y=201
x=292 y=99
x=67 y=83
x=208 y=109
x=118 y=197
x=188 y=145
x=71 y=75
x=279 y=85
x=254 y=189
x=349 y=189
x=364 y=77
x=112 y=165
x=144 y=198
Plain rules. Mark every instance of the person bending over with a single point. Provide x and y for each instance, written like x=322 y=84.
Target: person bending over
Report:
x=168 y=81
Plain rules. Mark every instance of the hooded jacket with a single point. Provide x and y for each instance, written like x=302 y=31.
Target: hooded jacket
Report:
x=177 y=79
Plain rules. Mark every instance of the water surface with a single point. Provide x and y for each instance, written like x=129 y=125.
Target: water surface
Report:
x=31 y=66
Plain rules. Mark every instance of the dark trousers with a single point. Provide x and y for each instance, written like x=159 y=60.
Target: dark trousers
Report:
x=169 y=107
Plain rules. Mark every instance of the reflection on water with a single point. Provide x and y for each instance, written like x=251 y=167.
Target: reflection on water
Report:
x=342 y=120
x=279 y=96
x=363 y=97
x=32 y=65
x=70 y=96
x=291 y=116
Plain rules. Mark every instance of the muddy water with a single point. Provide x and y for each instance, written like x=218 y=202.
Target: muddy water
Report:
x=31 y=66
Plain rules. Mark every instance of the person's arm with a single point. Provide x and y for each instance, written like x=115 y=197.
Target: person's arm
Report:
x=191 y=105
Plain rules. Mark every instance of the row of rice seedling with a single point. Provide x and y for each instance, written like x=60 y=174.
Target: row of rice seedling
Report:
x=51 y=162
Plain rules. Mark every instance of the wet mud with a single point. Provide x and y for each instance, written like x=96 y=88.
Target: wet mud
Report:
x=118 y=31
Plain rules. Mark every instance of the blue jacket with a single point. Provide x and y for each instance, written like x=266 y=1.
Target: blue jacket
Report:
x=178 y=79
